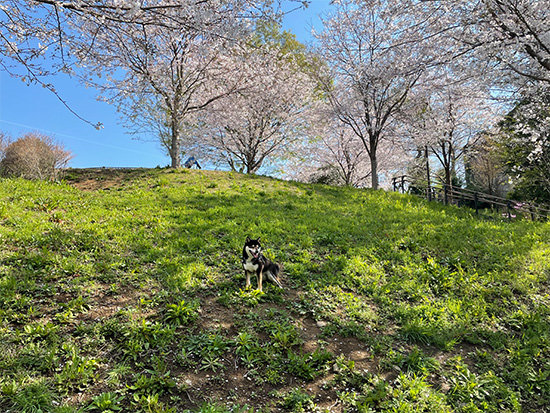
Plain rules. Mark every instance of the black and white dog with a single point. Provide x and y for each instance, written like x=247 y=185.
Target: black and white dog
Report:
x=255 y=262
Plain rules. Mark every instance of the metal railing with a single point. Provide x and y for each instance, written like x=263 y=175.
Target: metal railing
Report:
x=481 y=202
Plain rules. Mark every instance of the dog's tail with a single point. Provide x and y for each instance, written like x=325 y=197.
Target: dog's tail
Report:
x=273 y=275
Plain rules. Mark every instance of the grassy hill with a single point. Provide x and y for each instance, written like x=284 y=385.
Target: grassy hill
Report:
x=123 y=291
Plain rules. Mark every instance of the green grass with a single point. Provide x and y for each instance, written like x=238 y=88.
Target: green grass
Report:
x=130 y=296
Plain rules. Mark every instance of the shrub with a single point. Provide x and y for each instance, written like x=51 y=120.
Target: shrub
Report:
x=33 y=156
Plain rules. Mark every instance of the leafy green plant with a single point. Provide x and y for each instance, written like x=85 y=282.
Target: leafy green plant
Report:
x=152 y=384
x=210 y=362
x=41 y=331
x=308 y=366
x=39 y=356
x=414 y=362
x=141 y=335
x=245 y=343
x=78 y=305
x=285 y=336
x=108 y=402
x=470 y=392
x=250 y=297
x=298 y=401
x=207 y=344
x=414 y=393
x=77 y=373
x=181 y=313
x=116 y=375
x=150 y=404
x=133 y=349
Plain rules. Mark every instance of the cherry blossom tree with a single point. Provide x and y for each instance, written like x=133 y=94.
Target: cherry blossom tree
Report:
x=506 y=44
x=446 y=119
x=32 y=31
x=524 y=27
x=46 y=37
x=335 y=155
x=343 y=153
x=332 y=154
x=378 y=54
x=167 y=74
x=515 y=33
x=270 y=112
x=340 y=158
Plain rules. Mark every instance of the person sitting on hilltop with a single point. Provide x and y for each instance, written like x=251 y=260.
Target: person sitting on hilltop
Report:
x=190 y=162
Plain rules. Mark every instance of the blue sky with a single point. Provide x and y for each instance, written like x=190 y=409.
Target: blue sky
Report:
x=31 y=108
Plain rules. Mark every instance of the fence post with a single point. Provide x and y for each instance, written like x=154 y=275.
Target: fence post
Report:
x=394 y=183
x=531 y=212
x=403 y=184
x=445 y=194
x=428 y=172
x=476 y=204
x=508 y=210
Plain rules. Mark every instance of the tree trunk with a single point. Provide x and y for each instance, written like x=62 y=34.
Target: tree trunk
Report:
x=252 y=168
x=448 y=176
x=175 y=152
x=252 y=165
x=374 y=169
x=448 y=184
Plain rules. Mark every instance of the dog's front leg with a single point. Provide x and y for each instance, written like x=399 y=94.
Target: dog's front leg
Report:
x=260 y=278
x=247 y=278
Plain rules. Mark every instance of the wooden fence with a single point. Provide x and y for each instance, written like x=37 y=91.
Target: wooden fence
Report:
x=481 y=202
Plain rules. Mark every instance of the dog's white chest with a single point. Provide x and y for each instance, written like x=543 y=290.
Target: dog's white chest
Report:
x=248 y=266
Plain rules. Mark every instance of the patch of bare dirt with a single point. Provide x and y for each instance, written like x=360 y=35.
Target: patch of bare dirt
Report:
x=94 y=179
x=216 y=316
x=95 y=185
x=235 y=383
x=104 y=305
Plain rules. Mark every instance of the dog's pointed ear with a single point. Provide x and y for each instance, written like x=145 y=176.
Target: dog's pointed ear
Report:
x=258 y=240
x=248 y=239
